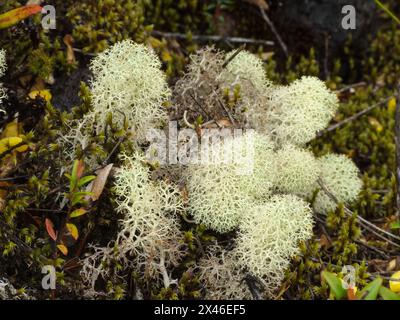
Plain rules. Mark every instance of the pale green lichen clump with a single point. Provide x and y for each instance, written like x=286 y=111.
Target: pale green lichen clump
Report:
x=149 y=238
x=128 y=81
x=253 y=183
x=129 y=87
x=150 y=228
x=246 y=67
x=145 y=203
x=210 y=81
x=260 y=179
x=216 y=196
x=222 y=275
x=270 y=235
x=298 y=111
x=340 y=177
x=220 y=193
x=297 y=170
x=246 y=72
x=3 y=67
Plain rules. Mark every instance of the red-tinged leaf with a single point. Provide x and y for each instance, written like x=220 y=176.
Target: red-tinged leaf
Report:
x=50 y=229
x=351 y=294
x=63 y=249
x=12 y=17
x=80 y=169
x=78 y=212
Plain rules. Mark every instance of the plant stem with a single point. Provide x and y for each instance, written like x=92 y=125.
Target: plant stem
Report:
x=386 y=9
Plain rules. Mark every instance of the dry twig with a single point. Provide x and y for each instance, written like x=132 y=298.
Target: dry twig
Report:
x=353 y=117
x=363 y=222
x=213 y=38
x=274 y=31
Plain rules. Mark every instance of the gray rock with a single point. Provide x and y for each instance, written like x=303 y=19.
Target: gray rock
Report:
x=311 y=21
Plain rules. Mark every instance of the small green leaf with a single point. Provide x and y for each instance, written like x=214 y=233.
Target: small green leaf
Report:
x=74 y=176
x=85 y=180
x=78 y=213
x=395 y=225
x=335 y=284
x=387 y=294
x=78 y=197
x=371 y=290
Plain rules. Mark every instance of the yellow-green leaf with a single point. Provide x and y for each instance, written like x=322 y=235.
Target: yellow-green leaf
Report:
x=44 y=94
x=394 y=282
x=376 y=124
x=73 y=230
x=8 y=143
x=371 y=290
x=386 y=294
x=392 y=105
x=63 y=249
x=395 y=225
x=78 y=212
x=11 y=130
x=85 y=180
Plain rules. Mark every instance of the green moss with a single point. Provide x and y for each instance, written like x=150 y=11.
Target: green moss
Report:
x=174 y=15
x=98 y=24
x=368 y=140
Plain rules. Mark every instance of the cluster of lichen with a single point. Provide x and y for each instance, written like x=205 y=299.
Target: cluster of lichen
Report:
x=369 y=141
x=221 y=199
x=3 y=67
x=255 y=188
x=138 y=243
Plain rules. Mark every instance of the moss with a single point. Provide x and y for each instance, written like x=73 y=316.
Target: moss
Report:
x=99 y=24
x=369 y=141
x=173 y=15
x=345 y=231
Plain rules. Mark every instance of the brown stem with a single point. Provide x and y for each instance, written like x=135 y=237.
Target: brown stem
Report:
x=212 y=38
x=233 y=56
x=363 y=222
x=353 y=117
x=275 y=32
